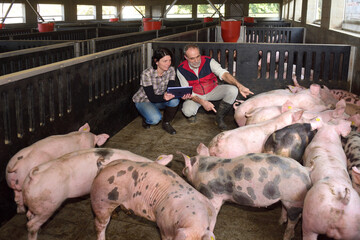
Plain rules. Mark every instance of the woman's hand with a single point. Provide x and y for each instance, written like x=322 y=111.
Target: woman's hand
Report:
x=186 y=96
x=168 y=96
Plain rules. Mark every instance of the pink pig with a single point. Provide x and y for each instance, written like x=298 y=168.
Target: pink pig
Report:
x=156 y=193
x=250 y=138
x=307 y=100
x=45 y=150
x=331 y=206
x=48 y=185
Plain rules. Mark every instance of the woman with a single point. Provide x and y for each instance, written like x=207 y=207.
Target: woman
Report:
x=152 y=95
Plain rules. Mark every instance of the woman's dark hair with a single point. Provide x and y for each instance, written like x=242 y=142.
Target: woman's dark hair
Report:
x=159 y=54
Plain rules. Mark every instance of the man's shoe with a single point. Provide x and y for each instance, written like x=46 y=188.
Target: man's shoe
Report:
x=168 y=128
x=144 y=124
x=192 y=119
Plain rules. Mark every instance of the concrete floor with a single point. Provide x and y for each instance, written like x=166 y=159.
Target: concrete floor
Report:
x=74 y=220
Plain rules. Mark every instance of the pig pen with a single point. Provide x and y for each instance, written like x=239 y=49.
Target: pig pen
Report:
x=97 y=88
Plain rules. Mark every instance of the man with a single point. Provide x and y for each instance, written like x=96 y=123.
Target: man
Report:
x=201 y=73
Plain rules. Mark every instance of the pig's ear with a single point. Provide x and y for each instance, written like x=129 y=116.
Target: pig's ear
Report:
x=297 y=115
x=316 y=123
x=356 y=175
x=164 y=159
x=339 y=109
x=101 y=139
x=208 y=236
x=85 y=128
x=288 y=105
x=202 y=150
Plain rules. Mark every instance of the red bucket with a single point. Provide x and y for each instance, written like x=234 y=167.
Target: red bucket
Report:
x=230 y=30
x=152 y=25
x=249 y=19
x=113 y=19
x=146 y=19
x=1 y=25
x=208 y=19
x=46 y=27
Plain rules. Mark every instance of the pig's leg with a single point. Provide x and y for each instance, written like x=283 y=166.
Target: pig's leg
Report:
x=100 y=226
x=283 y=217
x=19 y=201
x=293 y=214
x=102 y=218
x=34 y=223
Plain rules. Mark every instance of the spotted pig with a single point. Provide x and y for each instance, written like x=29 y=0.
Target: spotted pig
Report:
x=156 y=193
x=48 y=185
x=256 y=180
x=290 y=141
x=351 y=145
x=45 y=150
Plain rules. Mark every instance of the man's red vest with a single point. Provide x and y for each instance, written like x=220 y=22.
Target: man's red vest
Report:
x=206 y=81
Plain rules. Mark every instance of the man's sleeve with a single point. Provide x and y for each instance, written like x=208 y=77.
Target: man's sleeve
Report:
x=182 y=80
x=217 y=69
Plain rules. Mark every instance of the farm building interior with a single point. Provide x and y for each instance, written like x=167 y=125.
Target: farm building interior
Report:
x=81 y=62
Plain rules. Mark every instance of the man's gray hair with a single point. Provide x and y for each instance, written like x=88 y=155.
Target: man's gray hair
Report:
x=190 y=45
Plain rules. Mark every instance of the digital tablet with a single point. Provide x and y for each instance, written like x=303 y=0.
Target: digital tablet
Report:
x=179 y=91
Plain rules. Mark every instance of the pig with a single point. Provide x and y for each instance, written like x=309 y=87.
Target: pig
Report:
x=254 y=179
x=266 y=113
x=290 y=141
x=347 y=96
x=331 y=206
x=49 y=184
x=250 y=138
x=306 y=100
x=45 y=150
x=262 y=114
x=155 y=192
x=351 y=145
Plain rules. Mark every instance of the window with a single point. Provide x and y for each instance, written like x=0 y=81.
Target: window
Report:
x=129 y=12
x=264 y=10
x=285 y=11
x=298 y=10
x=314 y=12
x=51 y=12
x=291 y=9
x=86 y=12
x=352 y=16
x=205 y=10
x=16 y=14
x=109 y=12
x=179 y=11
x=318 y=10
